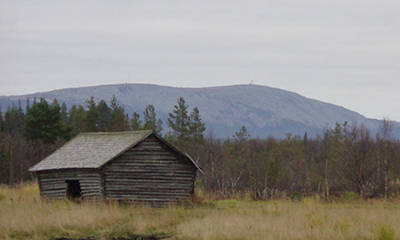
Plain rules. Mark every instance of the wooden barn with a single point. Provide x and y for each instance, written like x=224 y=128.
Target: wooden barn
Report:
x=137 y=166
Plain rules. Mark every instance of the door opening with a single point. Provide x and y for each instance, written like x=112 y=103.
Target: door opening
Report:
x=73 y=189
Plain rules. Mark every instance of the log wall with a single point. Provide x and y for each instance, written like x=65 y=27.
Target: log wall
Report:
x=151 y=172
x=53 y=184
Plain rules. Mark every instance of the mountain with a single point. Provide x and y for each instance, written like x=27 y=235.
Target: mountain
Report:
x=265 y=111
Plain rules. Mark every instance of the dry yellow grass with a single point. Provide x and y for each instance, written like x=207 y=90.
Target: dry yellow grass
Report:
x=27 y=217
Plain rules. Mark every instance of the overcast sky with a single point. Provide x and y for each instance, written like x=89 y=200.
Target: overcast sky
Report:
x=342 y=52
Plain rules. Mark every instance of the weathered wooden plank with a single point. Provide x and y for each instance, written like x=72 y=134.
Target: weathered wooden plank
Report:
x=90 y=185
x=147 y=157
x=146 y=153
x=50 y=187
x=129 y=187
x=149 y=162
x=155 y=179
x=146 y=195
x=149 y=171
x=170 y=165
x=67 y=176
x=158 y=170
x=146 y=180
x=55 y=191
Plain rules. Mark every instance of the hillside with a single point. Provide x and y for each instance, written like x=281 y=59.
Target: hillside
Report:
x=265 y=111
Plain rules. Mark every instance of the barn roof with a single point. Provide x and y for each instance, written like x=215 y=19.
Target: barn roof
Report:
x=93 y=150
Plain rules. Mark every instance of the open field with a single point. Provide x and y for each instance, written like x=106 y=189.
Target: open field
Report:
x=23 y=215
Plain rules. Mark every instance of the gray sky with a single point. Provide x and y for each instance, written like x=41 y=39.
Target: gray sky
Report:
x=342 y=52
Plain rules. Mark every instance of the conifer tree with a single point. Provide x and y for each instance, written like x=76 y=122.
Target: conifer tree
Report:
x=2 y=124
x=150 y=120
x=104 y=116
x=14 y=120
x=242 y=135
x=136 y=123
x=92 y=116
x=196 y=127
x=186 y=126
x=119 y=121
x=179 y=121
x=43 y=122
x=77 y=119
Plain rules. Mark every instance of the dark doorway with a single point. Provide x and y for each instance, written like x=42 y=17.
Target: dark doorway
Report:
x=73 y=189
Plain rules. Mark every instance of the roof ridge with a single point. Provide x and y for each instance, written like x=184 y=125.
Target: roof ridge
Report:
x=111 y=133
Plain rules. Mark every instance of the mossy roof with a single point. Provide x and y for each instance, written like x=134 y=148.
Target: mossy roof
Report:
x=91 y=150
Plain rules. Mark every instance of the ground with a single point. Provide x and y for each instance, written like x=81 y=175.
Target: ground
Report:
x=24 y=215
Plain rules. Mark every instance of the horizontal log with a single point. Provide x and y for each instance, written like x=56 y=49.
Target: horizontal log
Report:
x=142 y=191
x=143 y=199
x=68 y=177
x=87 y=194
x=150 y=179
x=170 y=167
x=146 y=153
x=146 y=157
x=53 y=187
x=151 y=162
x=159 y=170
x=55 y=191
x=164 y=187
x=153 y=178
x=88 y=190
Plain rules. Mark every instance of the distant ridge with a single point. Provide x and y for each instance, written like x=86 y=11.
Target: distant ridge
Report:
x=265 y=111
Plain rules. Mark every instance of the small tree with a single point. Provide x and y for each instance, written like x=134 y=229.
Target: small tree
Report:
x=104 y=114
x=136 y=123
x=119 y=121
x=91 y=116
x=2 y=124
x=187 y=128
x=385 y=155
x=77 y=119
x=150 y=120
x=196 y=127
x=242 y=135
x=179 y=121
x=14 y=120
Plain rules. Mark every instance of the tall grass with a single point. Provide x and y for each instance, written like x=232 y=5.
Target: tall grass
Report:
x=23 y=215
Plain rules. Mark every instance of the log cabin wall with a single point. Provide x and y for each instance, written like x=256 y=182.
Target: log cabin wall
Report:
x=53 y=184
x=150 y=172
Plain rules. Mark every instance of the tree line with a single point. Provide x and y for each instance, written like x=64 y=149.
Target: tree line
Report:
x=29 y=135
x=344 y=158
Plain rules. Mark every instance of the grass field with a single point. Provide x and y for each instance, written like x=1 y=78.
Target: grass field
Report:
x=23 y=215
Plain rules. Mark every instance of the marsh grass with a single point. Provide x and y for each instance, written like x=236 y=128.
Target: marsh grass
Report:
x=23 y=215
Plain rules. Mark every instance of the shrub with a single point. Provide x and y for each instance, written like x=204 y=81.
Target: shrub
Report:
x=386 y=232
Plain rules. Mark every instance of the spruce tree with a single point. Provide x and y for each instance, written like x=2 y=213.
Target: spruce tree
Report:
x=179 y=121
x=2 y=124
x=14 y=120
x=136 y=123
x=119 y=120
x=91 y=116
x=186 y=126
x=104 y=116
x=150 y=120
x=44 y=122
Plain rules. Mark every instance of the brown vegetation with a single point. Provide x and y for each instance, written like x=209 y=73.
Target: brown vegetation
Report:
x=23 y=215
